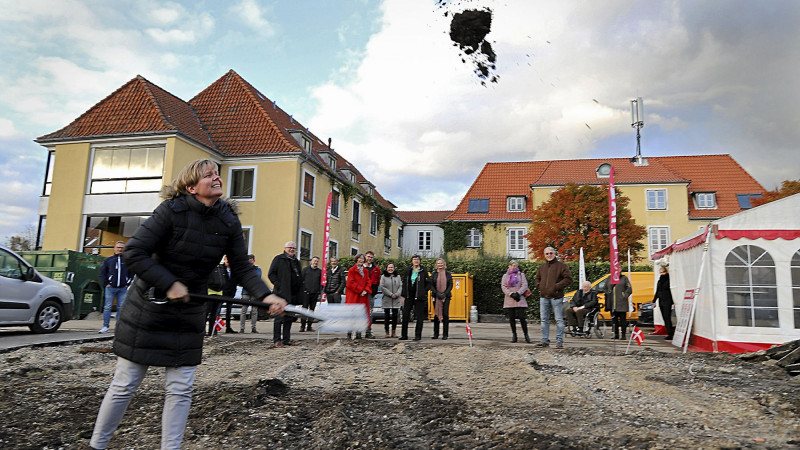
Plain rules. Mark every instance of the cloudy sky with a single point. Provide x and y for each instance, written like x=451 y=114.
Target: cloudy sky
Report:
x=385 y=82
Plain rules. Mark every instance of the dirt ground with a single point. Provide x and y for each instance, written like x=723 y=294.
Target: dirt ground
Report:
x=388 y=394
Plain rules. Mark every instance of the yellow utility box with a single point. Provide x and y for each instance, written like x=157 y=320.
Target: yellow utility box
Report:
x=460 y=299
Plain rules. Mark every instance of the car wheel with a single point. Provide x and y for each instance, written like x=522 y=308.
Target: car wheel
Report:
x=48 y=319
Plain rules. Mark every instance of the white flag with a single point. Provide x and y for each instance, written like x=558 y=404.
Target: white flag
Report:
x=581 y=271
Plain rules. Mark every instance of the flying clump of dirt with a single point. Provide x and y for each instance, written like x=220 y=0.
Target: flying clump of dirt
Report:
x=468 y=30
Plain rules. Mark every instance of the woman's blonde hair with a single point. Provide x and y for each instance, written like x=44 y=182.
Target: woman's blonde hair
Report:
x=442 y=260
x=191 y=174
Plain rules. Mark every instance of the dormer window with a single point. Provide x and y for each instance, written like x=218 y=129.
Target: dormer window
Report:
x=306 y=144
x=368 y=187
x=705 y=200
x=332 y=162
x=478 y=205
x=515 y=203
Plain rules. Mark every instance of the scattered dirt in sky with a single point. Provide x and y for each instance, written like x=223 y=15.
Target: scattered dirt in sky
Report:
x=468 y=30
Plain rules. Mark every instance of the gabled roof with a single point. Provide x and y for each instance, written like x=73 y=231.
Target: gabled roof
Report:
x=139 y=107
x=496 y=182
x=420 y=217
x=242 y=121
x=720 y=174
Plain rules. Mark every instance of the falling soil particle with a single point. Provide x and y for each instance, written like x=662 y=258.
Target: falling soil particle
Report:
x=468 y=30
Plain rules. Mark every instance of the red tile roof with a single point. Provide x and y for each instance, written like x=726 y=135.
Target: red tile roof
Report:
x=412 y=217
x=138 y=107
x=703 y=173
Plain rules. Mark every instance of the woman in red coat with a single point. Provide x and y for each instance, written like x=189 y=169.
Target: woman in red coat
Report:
x=358 y=288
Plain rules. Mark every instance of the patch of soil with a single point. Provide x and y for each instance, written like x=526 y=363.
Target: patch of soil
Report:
x=468 y=30
x=381 y=394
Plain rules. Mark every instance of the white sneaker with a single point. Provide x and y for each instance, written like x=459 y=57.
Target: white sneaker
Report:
x=103 y=330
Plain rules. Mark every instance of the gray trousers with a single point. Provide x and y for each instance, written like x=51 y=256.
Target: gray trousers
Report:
x=127 y=378
x=253 y=314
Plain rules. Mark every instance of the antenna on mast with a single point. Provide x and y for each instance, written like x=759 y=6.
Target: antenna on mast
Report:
x=637 y=121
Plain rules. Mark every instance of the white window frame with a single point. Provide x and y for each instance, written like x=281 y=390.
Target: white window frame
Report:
x=650 y=230
x=300 y=243
x=350 y=222
x=520 y=253
x=749 y=289
x=230 y=184
x=698 y=203
x=429 y=240
x=515 y=203
x=336 y=253
x=474 y=235
x=373 y=223
x=338 y=214
x=656 y=208
x=353 y=251
x=249 y=243
x=400 y=237
x=303 y=191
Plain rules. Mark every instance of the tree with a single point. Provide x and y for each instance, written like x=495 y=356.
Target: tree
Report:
x=577 y=216
x=23 y=241
x=788 y=187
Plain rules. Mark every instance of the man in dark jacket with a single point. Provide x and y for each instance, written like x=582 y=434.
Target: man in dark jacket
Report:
x=114 y=276
x=581 y=304
x=334 y=286
x=312 y=283
x=617 y=304
x=551 y=279
x=287 y=280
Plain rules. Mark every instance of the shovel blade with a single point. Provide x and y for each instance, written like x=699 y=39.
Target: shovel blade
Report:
x=340 y=317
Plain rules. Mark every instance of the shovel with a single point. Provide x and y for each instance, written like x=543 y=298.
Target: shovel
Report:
x=334 y=317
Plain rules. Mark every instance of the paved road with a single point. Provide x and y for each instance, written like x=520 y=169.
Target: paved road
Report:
x=79 y=331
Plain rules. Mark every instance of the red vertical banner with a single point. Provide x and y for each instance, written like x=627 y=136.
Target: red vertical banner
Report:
x=612 y=229
x=326 y=239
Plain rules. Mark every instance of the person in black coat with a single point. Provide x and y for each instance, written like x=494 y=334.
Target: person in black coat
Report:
x=664 y=297
x=416 y=284
x=334 y=284
x=287 y=280
x=580 y=305
x=171 y=255
x=312 y=284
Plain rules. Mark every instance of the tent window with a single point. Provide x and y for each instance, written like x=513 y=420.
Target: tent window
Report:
x=752 y=288
x=796 y=287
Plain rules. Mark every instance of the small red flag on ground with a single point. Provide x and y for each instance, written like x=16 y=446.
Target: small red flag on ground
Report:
x=469 y=331
x=219 y=324
x=637 y=335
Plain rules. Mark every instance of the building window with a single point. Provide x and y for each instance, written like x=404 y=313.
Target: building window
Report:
x=474 y=238
x=333 y=249
x=400 y=237
x=515 y=203
x=123 y=170
x=658 y=238
x=335 y=204
x=373 y=223
x=478 y=205
x=102 y=232
x=744 y=200
x=387 y=245
x=332 y=162
x=247 y=231
x=752 y=289
x=355 y=223
x=705 y=200
x=796 y=287
x=305 y=244
x=242 y=183
x=308 y=189
x=306 y=144
x=353 y=251
x=656 y=199
x=517 y=243
x=48 y=177
x=424 y=241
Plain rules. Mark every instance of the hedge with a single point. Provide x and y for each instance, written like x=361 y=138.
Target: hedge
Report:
x=487 y=273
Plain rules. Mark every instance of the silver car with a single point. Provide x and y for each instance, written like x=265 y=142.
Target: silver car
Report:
x=30 y=298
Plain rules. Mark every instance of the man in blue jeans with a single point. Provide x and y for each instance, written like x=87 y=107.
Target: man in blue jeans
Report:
x=551 y=279
x=114 y=276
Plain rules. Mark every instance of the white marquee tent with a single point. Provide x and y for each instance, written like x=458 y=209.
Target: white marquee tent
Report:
x=745 y=269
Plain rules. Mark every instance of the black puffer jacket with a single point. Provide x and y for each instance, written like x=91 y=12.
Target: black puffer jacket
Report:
x=182 y=241
x=286 y=277
x=419 y=290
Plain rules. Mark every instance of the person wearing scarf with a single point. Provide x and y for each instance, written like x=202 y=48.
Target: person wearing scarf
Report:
x=416 y=284
x=514 y=286
x=442 y=286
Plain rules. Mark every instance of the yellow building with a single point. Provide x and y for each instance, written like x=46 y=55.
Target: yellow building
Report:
x=671 y=196
x=105 y=170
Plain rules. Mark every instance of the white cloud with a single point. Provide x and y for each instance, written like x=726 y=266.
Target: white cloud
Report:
x=251 y=14
x=7 y=129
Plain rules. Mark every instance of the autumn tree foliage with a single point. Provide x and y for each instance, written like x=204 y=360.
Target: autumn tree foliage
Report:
x=577 y=216
x=788 y=187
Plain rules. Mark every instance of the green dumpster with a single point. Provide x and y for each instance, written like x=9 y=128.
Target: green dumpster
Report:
x=80 y=271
